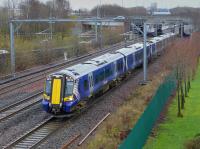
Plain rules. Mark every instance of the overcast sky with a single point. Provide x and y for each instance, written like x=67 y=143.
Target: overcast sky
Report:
x=76 y=4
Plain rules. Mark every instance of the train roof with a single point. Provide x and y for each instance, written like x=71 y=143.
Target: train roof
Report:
x=86 y=67
x=158 y=38
x=155 y=39
x=78 y=70
x=137 y=46
x=167 y=35
x=132 y=48
x=128 y=50
x=161 y=37
x=171 y=34
x=108 y=57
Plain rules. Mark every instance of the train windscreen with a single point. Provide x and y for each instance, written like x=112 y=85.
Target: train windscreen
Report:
x=69 y=88
x=48 y=87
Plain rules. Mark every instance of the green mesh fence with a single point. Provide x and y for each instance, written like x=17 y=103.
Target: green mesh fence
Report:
x=137 y=138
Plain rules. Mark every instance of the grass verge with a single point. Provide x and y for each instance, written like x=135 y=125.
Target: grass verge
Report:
x=174 y=132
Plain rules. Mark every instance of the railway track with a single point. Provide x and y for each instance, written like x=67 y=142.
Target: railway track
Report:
x=19 y=106
x=41 y=132
x=36 y=135
x=16 y=83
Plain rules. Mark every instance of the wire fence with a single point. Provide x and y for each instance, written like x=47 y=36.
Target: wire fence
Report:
x=139 y=134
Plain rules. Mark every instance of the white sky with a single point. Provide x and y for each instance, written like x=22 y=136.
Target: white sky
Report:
x=89 y=4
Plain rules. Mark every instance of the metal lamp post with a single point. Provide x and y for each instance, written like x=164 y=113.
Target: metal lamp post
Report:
x=145 y=54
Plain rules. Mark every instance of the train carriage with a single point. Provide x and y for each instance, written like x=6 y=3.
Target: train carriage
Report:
x=67 y=90
x=156 y=45
x=129 y=54
x=159 y=44
x=80 y=82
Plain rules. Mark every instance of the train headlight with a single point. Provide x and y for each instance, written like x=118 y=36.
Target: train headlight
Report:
x=70 y=98
x=46 y=97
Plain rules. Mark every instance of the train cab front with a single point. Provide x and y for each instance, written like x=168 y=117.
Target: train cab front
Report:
x=58 y=95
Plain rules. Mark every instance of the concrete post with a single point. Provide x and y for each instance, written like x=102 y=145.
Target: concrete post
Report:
x=51 y=30
x=181 y=30
x=65 y=56
x=101 y=36
x=12 y=50
x=156 y=29
x=96 y=31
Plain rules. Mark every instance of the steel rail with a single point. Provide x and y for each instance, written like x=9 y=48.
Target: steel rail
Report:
x=18 y=107
x=21 y=101
x=34 y=136
x=93 y=129
x=61 y=63
x=57 y=67
x=65 y=146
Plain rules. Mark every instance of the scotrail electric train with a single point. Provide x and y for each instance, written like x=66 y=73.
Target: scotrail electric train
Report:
x=69 y=89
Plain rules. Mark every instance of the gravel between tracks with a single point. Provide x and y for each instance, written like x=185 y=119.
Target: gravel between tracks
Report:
x=17 y=125
x=23 y=122
x=13 y=98
x=86 y=121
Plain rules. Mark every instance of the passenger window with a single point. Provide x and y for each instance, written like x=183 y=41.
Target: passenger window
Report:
x=85 y=85
x=96 y=79
x=131 y=59
x=139 y=55
x=108 y=72
x=101 y=77
x=119 y=66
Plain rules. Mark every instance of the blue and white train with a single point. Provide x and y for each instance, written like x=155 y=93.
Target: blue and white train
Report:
x=69 y=89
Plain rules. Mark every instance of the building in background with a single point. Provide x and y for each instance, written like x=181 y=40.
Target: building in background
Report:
x=161 y=11
x=153 y=6
x=154 y=10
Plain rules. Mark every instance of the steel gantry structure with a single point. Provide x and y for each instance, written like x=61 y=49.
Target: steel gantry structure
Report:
x=144 y=33
x=97 y=21
x=49 y=21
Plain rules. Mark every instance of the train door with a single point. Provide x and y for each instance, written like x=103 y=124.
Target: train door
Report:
x=115 y=68
x=56 y=91
x=134 y=64
x=125 y=64
x=91 y=82
x=155 y=48
x=151 y=50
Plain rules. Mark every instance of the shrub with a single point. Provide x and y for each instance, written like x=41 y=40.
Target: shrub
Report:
x=193 y=144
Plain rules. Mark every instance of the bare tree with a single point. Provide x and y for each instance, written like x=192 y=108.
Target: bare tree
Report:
x=192 y=13
x=115 y=10
x=61 y=8
x=182 y=57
